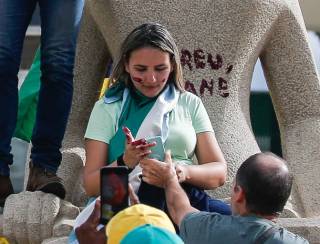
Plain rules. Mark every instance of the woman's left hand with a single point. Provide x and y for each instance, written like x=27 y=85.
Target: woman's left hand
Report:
x=182 y=173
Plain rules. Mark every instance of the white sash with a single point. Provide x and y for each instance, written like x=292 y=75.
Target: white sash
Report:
x=156 y=123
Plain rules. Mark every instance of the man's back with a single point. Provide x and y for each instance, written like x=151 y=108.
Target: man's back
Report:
x=203 y=227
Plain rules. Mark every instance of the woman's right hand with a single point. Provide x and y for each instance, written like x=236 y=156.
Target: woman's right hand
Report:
x=135 y=150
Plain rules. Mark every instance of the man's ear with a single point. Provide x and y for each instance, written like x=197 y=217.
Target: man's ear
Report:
x=239 y=195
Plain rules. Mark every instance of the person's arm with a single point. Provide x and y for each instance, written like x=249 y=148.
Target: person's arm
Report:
x=87 y=232
x=100 y=130
x=177 y=201
x=211 y=171
x=96 y=158
x=165 y=176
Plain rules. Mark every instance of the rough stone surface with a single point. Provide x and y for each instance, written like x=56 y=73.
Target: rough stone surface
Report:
x=30 y=217
x=59 y=240
x=220 y=42
x=309 y=228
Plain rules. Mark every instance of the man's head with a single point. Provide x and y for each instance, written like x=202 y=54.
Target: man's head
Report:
x=262 y=186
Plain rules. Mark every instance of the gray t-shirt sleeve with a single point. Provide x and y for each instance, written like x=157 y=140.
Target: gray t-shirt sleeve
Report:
x=283 y=236
x=196 y=227
x=204 y=227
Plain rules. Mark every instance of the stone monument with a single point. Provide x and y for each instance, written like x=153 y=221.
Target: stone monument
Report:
x=220 y=42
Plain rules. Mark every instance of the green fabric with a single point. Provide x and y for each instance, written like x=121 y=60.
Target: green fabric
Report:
x=28 y=100
x=187 y=119
x=115 y=91
x=203 y=227
x=264 y=122
x=135 y=109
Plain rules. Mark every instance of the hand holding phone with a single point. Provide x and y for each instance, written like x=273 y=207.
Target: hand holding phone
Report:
x=135 y=150
x=114 y=191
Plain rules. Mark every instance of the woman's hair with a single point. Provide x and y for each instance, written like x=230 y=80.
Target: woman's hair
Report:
x=148 y=35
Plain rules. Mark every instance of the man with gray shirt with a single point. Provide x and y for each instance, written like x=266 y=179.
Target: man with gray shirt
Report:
x=260 y=190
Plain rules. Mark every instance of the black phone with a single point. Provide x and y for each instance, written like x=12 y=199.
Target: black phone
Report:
x=114 y=191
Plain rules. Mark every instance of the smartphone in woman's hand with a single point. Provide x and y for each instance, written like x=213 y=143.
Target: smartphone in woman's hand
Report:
x=157 y=151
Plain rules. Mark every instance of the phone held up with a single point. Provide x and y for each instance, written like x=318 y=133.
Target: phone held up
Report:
x=114 y=191
x=157 y=151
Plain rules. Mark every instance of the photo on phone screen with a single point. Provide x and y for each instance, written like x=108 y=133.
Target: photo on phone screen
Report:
x=157 y=151
x=114 y=191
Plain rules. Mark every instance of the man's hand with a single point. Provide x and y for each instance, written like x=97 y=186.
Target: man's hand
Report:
x=87 y=232
x=158 y=173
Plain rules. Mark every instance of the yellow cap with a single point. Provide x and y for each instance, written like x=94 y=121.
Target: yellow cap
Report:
x=3 y=240
x=135 y=216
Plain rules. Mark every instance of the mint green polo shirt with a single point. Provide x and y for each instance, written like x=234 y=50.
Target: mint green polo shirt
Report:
x=187 y=119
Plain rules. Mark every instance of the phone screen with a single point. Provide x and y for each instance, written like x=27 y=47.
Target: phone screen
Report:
x=114 y=191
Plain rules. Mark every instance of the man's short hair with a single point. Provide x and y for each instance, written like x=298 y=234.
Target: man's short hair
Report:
x=266 y=182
